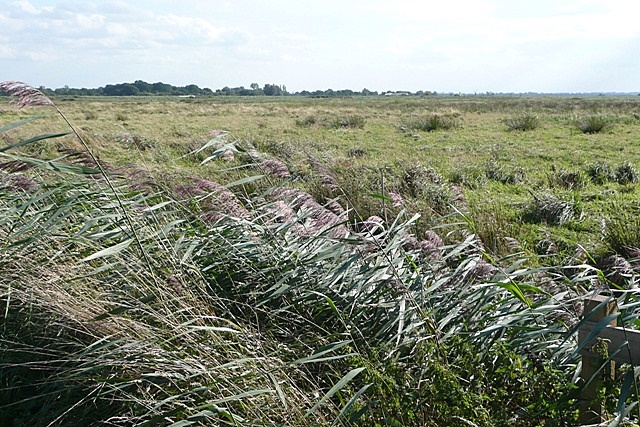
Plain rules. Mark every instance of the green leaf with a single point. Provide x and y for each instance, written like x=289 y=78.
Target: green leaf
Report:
x=244 y=181
x=54 y=166
x=220 y=151
x=350 y=403
x=336 y=388
x=317 y=355
x=515 y=290
x=34 y=139
x=381 y=197
x=113 y=250
x=20 y=122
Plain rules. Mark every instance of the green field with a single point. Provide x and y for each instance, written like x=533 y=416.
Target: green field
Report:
x=200 y=278
x=499 y=172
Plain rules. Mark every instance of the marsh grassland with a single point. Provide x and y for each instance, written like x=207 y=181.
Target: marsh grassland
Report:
x=263 y=261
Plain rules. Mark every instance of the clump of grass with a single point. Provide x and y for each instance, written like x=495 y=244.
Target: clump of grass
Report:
x=356 y=152
x=430 y=123
x=601 y=172
x=523 y=122
x=307 y=121
x=622 y=233
x=549 y=209
x=351 y=121
x=468 y=176
x=568 y=179
x=594 y=124
x=496 y=172
x=626 y=173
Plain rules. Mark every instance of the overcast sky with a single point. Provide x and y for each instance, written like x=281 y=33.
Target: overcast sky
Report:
x=447 y=46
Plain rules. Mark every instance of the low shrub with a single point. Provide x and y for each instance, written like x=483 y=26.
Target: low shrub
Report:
x=523 y=122
x=622 y=233
x=468 y=176
x=349 y=122
x=594 y=124
x=430 y=123
x=306 y=122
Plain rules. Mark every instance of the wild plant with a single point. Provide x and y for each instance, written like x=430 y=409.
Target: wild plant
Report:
x=550 y=209
x=523 y=122
x=495 y=171
x=601 y=172
x=622 y=234
x=430 y=123
x=349 y=121
x=567 y=179
x=594 y=124
x=626 y=173
x=124 y=307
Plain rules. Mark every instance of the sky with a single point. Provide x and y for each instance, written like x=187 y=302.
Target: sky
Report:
x=459 y=46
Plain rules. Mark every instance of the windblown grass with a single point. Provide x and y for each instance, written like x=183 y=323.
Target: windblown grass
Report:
x=252 y=302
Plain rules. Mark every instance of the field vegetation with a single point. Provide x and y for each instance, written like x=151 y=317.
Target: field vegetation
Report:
x=266 y=261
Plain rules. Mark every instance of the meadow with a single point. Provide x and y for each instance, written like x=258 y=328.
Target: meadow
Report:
x=313 y=261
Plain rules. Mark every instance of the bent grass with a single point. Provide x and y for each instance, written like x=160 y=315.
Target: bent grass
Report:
x=127 y=304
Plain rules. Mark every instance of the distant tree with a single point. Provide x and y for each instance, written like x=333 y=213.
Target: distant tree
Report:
x=191 y=90
x=272 y=90
x=127 y=89
x=162 y=88
x=143 y=87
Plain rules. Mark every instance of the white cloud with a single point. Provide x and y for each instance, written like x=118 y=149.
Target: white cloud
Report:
x=451 y=45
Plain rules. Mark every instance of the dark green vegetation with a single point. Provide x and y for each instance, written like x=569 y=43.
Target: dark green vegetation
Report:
x=321 y=263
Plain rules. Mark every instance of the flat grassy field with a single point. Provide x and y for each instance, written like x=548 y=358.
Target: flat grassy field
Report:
x=546 y=191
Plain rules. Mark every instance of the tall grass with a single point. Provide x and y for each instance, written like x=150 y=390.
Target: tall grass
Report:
x=127 y=305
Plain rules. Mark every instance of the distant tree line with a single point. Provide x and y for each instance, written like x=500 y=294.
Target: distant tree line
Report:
x=142 y=88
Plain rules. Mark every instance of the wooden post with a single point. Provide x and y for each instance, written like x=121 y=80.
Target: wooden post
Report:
x=591 y=411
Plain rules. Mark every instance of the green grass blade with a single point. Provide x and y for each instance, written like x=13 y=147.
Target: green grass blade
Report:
x=34 y=139
x=54 y=166
x=336 y=388
x=110 y=251
x=350 y=403
x=20 y=122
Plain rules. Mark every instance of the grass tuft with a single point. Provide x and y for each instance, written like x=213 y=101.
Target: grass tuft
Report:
x=594 y=124
x=430 y=123
x=522 y=122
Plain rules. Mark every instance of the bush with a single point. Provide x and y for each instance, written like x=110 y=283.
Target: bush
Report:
x=593 y=124
x=430 y=123
x=306 y=121
x=468 y=176
x=350 y=122
x=522 y=122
